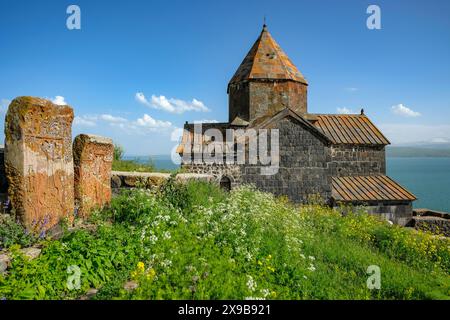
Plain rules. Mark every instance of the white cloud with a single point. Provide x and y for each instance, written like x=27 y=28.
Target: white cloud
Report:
x=415 y=133
x=171 y=105
x=84 y=121
x=344 y=110
x=59 y=100
x=4 y=104
x=402 y=110
x=112 y=119
x=351 y=89
x=148 y=122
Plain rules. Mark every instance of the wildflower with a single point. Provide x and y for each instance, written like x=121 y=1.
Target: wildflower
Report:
x=302 y=255
x=251 y=284
x=265 y=292
x=273 y=294
x=312 y=268
x=259 y=262
x=140 y=266
x=305 y=277
x=150 y=274
x=166 y=235
x=271 y=268
x=312 y=258
x=269 y=257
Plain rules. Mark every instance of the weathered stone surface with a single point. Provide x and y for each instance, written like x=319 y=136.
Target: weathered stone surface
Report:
x=433 y=224
x=93 y=156
x=131 y=285
x=39 y=162
x=5 y=261
x=138 y=179
x=184 y=177
x=31 y=253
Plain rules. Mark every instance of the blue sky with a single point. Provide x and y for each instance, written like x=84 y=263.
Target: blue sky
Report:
x=183 y=53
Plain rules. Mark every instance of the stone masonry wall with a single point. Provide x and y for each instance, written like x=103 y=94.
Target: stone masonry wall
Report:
x=348 y=160
x=254 y=99
x=303 y=166
x=269 y=98
x=39 y=162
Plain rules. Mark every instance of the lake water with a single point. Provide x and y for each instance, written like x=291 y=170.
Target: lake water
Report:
x=427 y=178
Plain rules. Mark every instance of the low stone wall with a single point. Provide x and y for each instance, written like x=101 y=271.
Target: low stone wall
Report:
x=433 y=221
x=123 y=179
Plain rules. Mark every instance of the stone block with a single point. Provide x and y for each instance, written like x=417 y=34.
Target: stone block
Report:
x=39 y=162
x=93 y=156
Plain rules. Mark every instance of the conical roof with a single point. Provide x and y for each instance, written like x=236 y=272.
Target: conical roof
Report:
x=267 y=61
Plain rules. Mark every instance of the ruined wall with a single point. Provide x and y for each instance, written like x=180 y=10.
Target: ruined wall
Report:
x=38 y=161
x=217 y=171
x=349 y=160
x=259 y=98
x=93 y=156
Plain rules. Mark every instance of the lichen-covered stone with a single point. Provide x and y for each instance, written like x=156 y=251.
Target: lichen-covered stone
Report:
x=93 y=156
x=127 y=179
x=39 y=162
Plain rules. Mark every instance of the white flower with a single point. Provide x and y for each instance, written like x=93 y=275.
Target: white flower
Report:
x=312 y=258
x=305 y=277
x=166 y=235
x=302 y=255
x=265 y=292
x=312 y=268
x=251 y=284
x=153 y=239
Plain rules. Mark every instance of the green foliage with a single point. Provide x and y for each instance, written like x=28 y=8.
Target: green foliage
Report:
x=12 y=232
x=193 y=241
x=118 y=152
x=131 y=165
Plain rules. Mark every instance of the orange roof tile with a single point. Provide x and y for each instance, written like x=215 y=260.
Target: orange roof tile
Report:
x=266 y=60
x=369 y=188
x=349 y=129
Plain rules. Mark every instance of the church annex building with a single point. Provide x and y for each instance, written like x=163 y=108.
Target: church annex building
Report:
x=335 y=157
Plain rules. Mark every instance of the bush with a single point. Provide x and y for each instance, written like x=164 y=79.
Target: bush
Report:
x=193 y=241
x=12 y=232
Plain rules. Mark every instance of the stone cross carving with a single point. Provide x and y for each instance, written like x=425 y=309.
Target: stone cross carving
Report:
x=39 y=162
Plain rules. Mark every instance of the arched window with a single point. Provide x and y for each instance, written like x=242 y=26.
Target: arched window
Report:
x=225 y=183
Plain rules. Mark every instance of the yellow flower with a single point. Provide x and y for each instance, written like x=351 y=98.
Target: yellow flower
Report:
x=259 y=262
x=151 y=274
x=274 y=294
x=269 y=257
x=140 y=266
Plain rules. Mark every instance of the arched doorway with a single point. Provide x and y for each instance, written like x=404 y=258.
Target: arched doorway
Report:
x=225 y=183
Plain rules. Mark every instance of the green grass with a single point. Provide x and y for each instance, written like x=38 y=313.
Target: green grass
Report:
x=130 y=165
x=196 y=242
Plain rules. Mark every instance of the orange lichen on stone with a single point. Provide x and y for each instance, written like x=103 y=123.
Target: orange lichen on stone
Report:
x=93 y=156
x=39 y=162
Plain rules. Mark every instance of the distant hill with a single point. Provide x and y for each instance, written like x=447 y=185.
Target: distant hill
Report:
x=430 y=151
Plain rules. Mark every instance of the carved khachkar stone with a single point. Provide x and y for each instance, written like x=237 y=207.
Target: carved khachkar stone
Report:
x=93 y=156
x=39 y=162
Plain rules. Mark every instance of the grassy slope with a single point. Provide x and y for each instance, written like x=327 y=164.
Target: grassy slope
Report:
x=195 y=242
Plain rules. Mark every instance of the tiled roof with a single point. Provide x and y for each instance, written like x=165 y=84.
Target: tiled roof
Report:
x=368 y=188
x=266 y=60
x=349 y=129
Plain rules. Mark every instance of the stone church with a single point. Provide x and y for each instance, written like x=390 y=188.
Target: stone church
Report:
x=334 y=157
